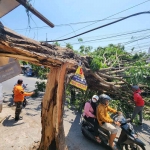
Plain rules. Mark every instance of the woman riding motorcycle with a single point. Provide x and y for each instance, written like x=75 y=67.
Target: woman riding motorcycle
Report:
x=90 y=115
x=104 y=119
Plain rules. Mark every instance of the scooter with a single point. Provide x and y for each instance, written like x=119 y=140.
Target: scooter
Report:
x=128 y=139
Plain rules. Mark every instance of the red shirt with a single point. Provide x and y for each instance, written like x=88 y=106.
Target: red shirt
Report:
x=139 y=101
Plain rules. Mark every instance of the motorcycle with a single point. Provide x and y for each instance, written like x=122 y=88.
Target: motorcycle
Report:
x=128 y=139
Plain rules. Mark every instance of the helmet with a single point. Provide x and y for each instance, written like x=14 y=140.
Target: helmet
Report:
x=135 y=87
x=20 y=81
x=103 y=98
x=95 y=97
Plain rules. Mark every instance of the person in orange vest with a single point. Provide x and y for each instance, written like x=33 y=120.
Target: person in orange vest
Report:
x=19 y=95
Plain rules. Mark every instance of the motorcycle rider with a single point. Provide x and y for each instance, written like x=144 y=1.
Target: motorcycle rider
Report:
x=139 y=103
x=19 y=95
x=104 y=119
x=90 y=115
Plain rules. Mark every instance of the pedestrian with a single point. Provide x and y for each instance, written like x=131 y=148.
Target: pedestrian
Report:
x=19 y=95
x=139 y=104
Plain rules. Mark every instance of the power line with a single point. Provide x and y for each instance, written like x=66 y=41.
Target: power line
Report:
x=95 y=21
x=133 y=15
x=140 y=44
x=74 y=23
x=144 y=46
x=112 y=36
x=129 y=42
x=107 y=17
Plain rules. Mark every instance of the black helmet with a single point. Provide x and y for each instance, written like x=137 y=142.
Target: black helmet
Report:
x=20 y=81
x=135 y=87
x=103 y=98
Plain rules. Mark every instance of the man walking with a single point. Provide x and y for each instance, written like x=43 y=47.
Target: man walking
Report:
x=19 y=95
x=139 y=103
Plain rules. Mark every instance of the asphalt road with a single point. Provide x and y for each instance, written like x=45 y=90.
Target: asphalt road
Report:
x=9 y=84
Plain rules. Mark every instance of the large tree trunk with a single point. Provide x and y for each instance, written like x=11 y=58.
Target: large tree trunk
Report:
x=52 y=111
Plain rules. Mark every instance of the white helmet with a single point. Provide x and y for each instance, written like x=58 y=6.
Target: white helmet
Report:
x=95 y=98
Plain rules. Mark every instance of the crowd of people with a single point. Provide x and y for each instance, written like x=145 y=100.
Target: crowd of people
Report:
x=97 y=114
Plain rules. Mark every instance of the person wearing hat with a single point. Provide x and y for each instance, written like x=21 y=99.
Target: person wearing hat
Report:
x=105 y=120
x=139 y=103
x=90 y=115
x=19 y=95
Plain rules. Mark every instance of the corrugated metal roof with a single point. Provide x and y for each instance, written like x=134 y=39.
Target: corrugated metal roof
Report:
x=6 y=6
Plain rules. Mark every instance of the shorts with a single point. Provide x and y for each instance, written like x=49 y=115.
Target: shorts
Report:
x=110 y=127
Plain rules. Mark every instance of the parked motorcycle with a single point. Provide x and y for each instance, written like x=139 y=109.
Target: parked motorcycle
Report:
x=128 y=139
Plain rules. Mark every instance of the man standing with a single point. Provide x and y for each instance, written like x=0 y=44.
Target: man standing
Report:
x=19 y=95
x=139 y=103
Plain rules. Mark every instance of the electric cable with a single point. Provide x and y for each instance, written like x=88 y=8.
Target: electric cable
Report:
x=119 y=35
x=108 y=17
x=133 y=15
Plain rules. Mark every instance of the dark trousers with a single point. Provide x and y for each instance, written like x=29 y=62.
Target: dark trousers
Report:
x=95 y=123
x=138 y=110
x=18 y=109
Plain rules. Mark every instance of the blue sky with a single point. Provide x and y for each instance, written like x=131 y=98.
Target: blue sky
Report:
x=73 y=11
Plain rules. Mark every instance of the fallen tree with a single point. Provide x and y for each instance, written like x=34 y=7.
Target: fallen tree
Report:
x=62 y=63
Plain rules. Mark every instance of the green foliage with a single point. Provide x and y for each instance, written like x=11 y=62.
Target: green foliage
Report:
x=139 y=72
x=80 y=39
x=69 y=46
x=40 y=72
x=85 y=49
x=57 y=44
x=23 y=62
x=80 y=97
x=40 y=86
x=122 y=106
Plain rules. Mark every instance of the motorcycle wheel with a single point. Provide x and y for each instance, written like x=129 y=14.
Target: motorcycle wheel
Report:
x=137 y=147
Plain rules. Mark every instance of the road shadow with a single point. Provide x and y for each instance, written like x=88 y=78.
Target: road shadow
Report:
x=145 y=129
x=9 y=122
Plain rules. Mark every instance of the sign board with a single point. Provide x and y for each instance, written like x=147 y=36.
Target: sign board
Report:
x=9 y=70
x=78 y=79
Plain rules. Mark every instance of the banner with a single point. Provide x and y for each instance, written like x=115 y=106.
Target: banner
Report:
x=78 y=79
x=9 y=70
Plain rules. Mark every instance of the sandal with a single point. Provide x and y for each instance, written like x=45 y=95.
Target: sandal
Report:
x=98 y=139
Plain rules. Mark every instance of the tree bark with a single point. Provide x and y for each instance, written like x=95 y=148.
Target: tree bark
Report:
x=52 y=111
